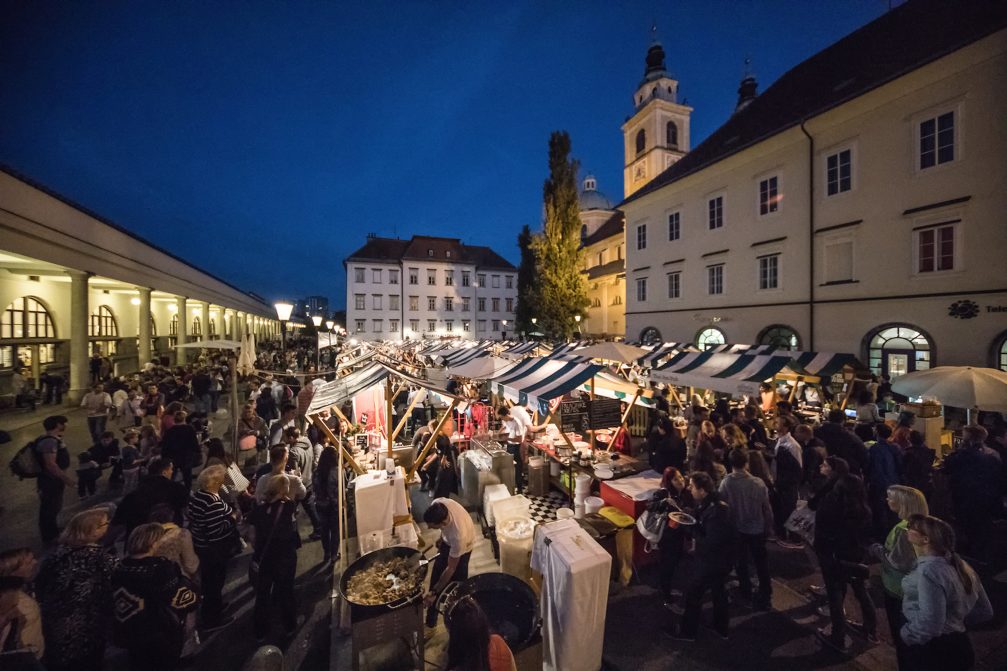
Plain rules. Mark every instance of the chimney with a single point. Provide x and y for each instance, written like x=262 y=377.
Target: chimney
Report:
x=747 y=92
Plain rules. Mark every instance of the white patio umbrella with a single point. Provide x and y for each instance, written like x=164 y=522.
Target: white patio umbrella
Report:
x=246 y=360
x=612 y=351
x=958 y=386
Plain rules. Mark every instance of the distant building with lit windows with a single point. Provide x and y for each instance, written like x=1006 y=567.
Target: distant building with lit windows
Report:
x=856 y=205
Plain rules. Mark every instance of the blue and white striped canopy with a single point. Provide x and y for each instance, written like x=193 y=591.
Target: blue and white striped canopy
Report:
x=538 y=380
x=727 y=373
x=342 y=389
x=662 y=352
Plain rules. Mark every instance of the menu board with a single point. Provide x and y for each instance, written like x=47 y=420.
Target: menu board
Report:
x=573 y=416
x=605 y=413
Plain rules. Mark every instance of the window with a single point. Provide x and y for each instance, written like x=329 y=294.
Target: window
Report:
x=508 y=282
x=496 y=281
x=596 y=303
x=1001 y=354
x=715 y=208
x=641 y=289
x=26 y=317
x=393 y=277
x=671 y=135
x=675 y=285
x=935 y=249
x=715 y=280
x=496 y=304
x=431 y=325
x=937 y=140
x=447 y=254
x=466 y=278
x=358 y=275
x=393 y=325
x=838 y=261
x=376 y=275
x=482 y=304
x=359 y=301
x=173 y=326
x=616 y=300
x=601 y=258
x=839 y=172
x=769 y=197
x=431 y=278
x=466 y=325
x=897 y=349
x=466 y=304
x=651 y=336
x=430 y=253
x=414 y=276
x=780 y=337
x=510 y=305
x=769 y=272
x=376 y=301
x=449 y=278
x=481 y=280
x=102 y=324
x=449 y=304
x=431 y=302
x=414 y=303
x=641 y=236
x=674 y=226
x=393 y=302
x=449 y=326
x=709 y=338
x=414 y=325
x=481 y=326
x=496 y=325
x=361 y=328
x=641 y=141
x=377 y=325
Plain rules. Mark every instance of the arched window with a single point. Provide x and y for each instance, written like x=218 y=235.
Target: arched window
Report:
x=897 y=349
x=103 y=331
x=709 y=337
x=780 y=337
x=197 y=328
x=672 y=134
x=1000 y=352
x=212 y=328
x=641 y=141
x=173 y=331
x=28 y=321
x=651 y=336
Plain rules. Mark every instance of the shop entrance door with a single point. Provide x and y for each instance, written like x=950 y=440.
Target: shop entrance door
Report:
x=898 y=362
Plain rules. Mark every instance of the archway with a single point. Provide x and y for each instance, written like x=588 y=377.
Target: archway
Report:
x=897 y=349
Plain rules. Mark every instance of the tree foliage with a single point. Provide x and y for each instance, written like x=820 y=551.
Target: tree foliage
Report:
x=525 y=282
x=558 y=290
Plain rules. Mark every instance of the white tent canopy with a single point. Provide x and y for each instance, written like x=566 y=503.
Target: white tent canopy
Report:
x=210 y=344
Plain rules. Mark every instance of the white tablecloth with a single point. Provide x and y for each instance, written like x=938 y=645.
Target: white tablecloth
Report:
x=575 y=574
x=379 y=499
x=639 y=487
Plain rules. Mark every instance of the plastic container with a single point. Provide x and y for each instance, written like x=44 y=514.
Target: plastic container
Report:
x=582 y=480
x=593 y=504
x=554 y=468
x=538 y=479
x=511 y=508
x=492 y=494
x=578 y=511
x=535 y=462
x=515 y=537
x=564 y=513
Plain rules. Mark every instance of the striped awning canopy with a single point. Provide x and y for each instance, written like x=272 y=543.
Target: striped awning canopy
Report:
x=481 y=367
x=520 y=350
x=538 y=380
x=726 y=373
x=661 y=352
x=608 y=385
x=342 y=389
x=826 y=364
x=463 y=355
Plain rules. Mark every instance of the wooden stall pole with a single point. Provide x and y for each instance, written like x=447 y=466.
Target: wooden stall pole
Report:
x=625 y=416
x=343 y=606
x=589 y=427
x=409 y=411
x=317 y=421
x=430 y=442
x=388 y=413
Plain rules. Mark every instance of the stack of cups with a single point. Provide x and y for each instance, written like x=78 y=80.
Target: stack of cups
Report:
x=582 y=490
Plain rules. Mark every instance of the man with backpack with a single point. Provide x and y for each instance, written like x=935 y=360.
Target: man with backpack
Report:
x=53 y=459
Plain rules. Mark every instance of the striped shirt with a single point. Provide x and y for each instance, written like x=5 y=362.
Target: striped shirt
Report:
x=209 y=519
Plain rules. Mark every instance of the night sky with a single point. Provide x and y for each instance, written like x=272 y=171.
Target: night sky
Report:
x=263 y=140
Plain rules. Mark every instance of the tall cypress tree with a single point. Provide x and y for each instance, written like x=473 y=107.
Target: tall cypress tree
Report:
x=560 y=288
x=525 y=283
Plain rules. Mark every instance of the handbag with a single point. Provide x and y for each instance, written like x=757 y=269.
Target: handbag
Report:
x=802 y=523
x=254 y=564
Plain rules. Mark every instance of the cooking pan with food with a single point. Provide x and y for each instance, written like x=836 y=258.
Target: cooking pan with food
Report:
x=383 y=580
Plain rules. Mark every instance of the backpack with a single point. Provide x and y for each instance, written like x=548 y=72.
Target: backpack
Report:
x=25 y=463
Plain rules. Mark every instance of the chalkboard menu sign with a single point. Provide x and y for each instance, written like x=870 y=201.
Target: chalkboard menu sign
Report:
x=605 y=413
x=573 y=416
x=361 y=440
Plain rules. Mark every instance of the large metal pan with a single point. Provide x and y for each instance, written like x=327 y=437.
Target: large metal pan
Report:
x=360 y=611
x=509 y=603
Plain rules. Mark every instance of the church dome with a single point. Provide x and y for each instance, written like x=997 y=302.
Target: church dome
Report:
x=591 y=198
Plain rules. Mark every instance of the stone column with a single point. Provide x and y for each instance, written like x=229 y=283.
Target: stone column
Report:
x=143 y=327
x=204 y=319
x=183 y=329
x=80 y=313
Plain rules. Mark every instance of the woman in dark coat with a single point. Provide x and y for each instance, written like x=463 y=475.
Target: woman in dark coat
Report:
x=276 y=544
x=841 y=519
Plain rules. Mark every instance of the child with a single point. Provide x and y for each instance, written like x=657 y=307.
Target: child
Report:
x=131 y=461
x=88 y=472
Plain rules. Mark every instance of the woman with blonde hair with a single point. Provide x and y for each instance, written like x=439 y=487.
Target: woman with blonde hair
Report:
x=212 y=524
x=897 y=557
x=74 y=591
x=734 y=437
x=940 y=596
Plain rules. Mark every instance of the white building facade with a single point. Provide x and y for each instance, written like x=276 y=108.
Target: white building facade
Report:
x=846 y=209
x=429 y=287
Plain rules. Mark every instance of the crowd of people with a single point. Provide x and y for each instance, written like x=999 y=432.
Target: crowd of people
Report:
x=166 y=513
x=849 y=493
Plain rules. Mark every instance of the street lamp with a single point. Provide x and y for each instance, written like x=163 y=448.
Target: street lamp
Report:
x=317 y=321
x=329 y=324
x=503 y=335
x=283 y=310
x=576 y=318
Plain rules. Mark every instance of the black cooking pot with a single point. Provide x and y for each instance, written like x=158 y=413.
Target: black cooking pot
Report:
x=509 y=603
x=359 y=611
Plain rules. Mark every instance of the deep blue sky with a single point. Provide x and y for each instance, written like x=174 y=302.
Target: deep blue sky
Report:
x=263 y=140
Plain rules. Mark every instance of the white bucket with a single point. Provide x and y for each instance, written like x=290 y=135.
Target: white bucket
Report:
x=564 y=513
x=593 y=504
x=578 y=511
x=535 y=462
x=554 y=468
x=582 y=480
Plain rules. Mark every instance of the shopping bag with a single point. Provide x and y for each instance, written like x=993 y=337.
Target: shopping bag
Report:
x=802 y=523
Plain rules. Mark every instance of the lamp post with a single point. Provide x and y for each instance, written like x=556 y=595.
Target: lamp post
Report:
x=317 y=321
x=503 y=335
x=576 y=318
x=283 y=310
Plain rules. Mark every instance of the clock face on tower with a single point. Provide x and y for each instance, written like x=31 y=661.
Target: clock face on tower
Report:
x=640 y=171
